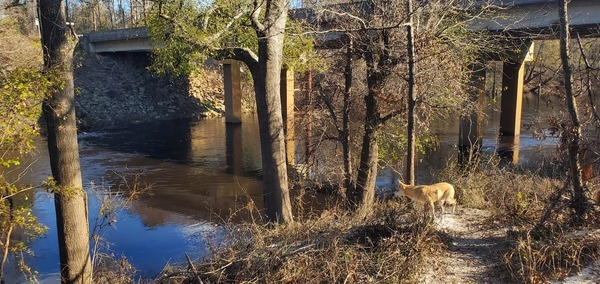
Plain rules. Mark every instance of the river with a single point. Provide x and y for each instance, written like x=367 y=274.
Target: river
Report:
x=199 y=173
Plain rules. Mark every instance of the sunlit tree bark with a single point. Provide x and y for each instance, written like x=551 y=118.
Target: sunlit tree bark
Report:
x=59 y=111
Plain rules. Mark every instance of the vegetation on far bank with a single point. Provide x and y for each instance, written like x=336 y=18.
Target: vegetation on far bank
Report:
x=22 y=89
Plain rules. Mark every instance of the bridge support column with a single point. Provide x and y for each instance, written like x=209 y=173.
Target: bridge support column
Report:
x=513 y=74
x=508 y=150
x=233 y=145
x=287 y=112
x=470 y=135
x=512 y=98
x=233 y=91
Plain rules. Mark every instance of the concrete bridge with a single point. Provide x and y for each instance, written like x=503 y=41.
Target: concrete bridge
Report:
x=121 y=40
x=523 y=20
x=138 y=40
x=538 y=19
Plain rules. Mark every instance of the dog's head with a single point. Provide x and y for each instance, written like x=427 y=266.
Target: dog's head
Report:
x=399 y=192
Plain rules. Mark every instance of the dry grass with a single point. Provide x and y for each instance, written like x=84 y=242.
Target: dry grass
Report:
x=542 y=256
x=114 y=270
x=335 y=247
x=513 y=196
x=518 y=198
x=18 y=50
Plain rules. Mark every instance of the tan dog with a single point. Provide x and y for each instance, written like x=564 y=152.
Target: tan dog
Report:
x=429 y=194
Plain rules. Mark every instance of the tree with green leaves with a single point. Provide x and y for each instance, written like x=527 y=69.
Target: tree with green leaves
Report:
x=22 y=88
x=21 y=92
x=188 y=32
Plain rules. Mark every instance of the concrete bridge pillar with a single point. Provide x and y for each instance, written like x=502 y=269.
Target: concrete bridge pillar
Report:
x=287 y=112
x=233 y=146
x=508 y=150
x=513 y=74
x=233 y=101
x=233 y=91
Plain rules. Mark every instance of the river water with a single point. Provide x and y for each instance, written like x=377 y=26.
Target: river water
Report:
x=200 y=172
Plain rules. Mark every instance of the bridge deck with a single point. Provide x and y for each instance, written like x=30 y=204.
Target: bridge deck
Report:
x=537 y=19
x=121 y=40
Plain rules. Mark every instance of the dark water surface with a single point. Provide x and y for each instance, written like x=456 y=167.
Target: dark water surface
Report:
x=199 y=173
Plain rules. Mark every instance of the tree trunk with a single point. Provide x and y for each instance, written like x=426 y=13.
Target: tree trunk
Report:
x=111 y=13
x=309 y=108
x=132 y=13
x=94 y=18
x=267 y=87
x=99 y=17
x=59 y=111
x=363 y=195
x=410 y=159
x=346 y=121
x=579 y=202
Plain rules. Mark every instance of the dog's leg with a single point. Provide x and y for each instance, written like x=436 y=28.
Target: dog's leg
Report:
x=432 y=208
x=453 y=203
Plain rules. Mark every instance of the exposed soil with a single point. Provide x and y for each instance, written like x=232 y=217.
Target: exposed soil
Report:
x=588 y=275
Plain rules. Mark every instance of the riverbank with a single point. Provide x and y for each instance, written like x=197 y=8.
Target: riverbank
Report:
x=117 y=89
x=490 y=239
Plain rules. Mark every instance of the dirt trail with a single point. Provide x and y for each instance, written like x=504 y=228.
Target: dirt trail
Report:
x=473 y=254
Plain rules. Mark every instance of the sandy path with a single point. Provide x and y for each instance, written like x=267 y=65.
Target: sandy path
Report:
x=473 y=250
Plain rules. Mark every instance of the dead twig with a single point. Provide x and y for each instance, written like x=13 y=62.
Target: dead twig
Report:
x=193 y=268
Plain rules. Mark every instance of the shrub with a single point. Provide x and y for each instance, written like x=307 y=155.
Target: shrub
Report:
x=516 y=196
x=540 y=256
x=336 y=247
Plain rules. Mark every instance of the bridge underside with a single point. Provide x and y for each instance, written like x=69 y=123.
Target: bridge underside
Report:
x=122 y=40
x=535 y=19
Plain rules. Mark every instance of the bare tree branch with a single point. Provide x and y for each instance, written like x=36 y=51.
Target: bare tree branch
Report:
x=256 y=14
x=588 y=69
x=238 y=53
x=217 y=35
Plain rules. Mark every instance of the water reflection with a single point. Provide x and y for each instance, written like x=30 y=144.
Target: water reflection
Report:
x=212 y=171
x=508 y=149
